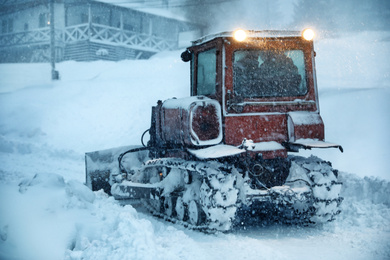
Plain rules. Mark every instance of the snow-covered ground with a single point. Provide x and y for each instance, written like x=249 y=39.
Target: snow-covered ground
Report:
x=45 y=128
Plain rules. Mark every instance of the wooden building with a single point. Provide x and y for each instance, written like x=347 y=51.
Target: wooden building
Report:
x=86 y=30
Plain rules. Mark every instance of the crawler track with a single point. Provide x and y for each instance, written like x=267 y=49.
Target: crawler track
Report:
x=325 y=189
x=321 y=204
x=199 y=195
x=204 y=196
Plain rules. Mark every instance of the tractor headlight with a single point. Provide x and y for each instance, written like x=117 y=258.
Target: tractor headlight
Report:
x=239 y=35
x=308 y=34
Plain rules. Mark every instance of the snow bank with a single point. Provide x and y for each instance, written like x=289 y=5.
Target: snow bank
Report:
x=365 y=218
x=38 y=216
x=50 y=218
x=366 y=202
x=94 y=106
x=372 y=189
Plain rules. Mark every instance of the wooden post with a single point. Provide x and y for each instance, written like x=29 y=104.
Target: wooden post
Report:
x=54 y=73
x=121 y=37
x=89 y=31
x=150 y=26
x=121 y=20
x=89 y=15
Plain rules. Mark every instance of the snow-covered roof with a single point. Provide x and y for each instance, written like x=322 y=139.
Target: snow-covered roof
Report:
x=250 y=34
x=146 y=8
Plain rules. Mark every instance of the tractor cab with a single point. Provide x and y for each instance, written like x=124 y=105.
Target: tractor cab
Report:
x=261 y=66
x=265 y=83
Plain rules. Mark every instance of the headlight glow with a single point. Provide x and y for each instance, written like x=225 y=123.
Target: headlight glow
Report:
x=308 y=34
x=239 y=35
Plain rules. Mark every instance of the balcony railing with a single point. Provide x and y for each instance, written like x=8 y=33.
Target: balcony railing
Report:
x=86 y=32
x=33 y=37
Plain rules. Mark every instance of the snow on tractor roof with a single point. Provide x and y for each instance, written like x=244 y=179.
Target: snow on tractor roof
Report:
x=250 y=34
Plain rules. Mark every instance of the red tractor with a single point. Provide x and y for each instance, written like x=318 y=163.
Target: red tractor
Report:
x=221 y=157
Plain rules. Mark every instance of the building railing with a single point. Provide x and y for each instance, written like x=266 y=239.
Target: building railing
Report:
x=76 y=33
x=92 y=32
x=33 y=37
x=102 y=33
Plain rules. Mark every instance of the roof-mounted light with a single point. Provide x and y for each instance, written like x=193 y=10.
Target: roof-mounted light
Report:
x=308 y=34
x=239 y=35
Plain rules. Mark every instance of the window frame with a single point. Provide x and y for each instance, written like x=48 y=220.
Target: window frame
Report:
x=214 y=80
x=195 y=50
x=304 y=78
x=44 y=20
x=7 y=25
x=236 y=105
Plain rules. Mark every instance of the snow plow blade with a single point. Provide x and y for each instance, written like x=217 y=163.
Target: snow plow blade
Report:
x=102 y=166
x=129 y=190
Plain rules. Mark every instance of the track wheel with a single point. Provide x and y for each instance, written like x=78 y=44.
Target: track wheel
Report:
x=169 y=206
x=180 y=209
x=194 y=213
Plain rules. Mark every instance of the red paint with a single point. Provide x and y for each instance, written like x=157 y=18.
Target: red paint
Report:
x=258 y=119
x=259 y=128
x=314 y=131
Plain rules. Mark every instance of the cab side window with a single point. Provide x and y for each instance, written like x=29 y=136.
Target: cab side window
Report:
x=206 y=76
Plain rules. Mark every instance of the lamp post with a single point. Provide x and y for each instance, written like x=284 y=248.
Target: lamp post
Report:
x=54 y=72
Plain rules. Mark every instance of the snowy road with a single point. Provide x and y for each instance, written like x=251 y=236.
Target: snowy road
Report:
x=48 y=217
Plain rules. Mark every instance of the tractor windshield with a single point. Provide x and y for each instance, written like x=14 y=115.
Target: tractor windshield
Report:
x=269 y=73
